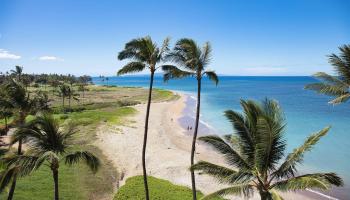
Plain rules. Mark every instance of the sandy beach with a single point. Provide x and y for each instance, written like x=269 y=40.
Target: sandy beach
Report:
x=168 y=150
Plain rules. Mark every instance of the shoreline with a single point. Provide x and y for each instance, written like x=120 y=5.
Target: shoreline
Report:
x=168 y=152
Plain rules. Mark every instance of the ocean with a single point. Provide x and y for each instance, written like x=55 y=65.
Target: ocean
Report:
x=306 y=112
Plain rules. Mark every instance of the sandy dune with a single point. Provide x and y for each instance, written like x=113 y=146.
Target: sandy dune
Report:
x=168 y=150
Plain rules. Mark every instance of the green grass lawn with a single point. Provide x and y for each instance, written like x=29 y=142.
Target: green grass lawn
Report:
x=159 y=190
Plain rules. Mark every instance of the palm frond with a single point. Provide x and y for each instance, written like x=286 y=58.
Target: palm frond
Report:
x=245 y=190
x=135 y=49
x=231 y=156
x=172 y=72
x=25 y=164
x=131 y=67
x=322 y=181
x=327 y=89
x=340 y=99
x=219 y=172
x=288 y=167
x=330 y=79
x=164 y=49
x=6 y=177
x=222 y=174
x=341 y=65
x=244 y=138
x=270 y=144
x=91 y=160
x=212 y=76
x=205 y=57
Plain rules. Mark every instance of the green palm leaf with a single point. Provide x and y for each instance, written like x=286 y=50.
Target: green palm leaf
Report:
x=239 y=190
x=340 y=99
x=322 y=181
x=323 y=88
x=244 y=139
x=219 y=172
x=330 y=79
x=212 y=76
x=172 y=72
x=90 y=160
x=131 y=68
x=232 y=157
x=288 y=167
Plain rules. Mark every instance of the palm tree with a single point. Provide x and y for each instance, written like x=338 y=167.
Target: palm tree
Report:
x=18 y=72
x=53 y=82
x=6 y=114
x=50 y=144
x=254 y=152
x=83 y=82
x=337 y=86
x=144 y=53
x=71 y=95
x=63 y=92
x=194 y=61
x=18 y=100
x=9 y=171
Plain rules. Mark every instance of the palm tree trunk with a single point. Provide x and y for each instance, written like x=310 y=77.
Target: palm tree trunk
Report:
x=69 y=102
x=265 y=195
x=19 y=152
x=55 y=179
x=63 y=102
x=194 y=192
x=145 y=137
x=6 y=125
x=83 y=96
x=12 y=189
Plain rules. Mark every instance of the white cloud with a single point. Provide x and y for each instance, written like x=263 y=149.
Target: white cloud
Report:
x=4 y=54
x=50 y=58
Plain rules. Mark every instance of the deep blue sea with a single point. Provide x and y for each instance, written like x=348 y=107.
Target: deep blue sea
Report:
x=306 y=113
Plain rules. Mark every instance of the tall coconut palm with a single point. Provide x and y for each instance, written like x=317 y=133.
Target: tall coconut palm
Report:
x=144 y=54
x=193 y=60
x=337 y=86
x=49 y=145
x=253 y=154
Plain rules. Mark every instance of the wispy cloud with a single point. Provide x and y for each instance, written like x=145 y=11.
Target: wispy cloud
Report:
x=50 y=58
x=4 y=54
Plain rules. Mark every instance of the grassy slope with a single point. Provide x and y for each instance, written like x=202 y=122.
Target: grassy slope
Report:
x=102 y=107
x=159 y=190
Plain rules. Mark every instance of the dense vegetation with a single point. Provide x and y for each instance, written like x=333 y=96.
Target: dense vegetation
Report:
x=100 y=105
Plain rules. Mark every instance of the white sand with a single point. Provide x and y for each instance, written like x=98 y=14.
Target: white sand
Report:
x=168 y=147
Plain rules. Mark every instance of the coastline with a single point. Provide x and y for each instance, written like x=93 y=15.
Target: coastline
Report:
x=168 y=152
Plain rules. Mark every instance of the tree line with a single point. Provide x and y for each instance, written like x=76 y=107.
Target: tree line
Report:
x=48 y=142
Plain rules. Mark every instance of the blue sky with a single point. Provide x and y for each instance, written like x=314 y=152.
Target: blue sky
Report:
x=290 y=37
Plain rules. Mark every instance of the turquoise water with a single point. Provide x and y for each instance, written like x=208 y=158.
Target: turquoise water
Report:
x=306 y=112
